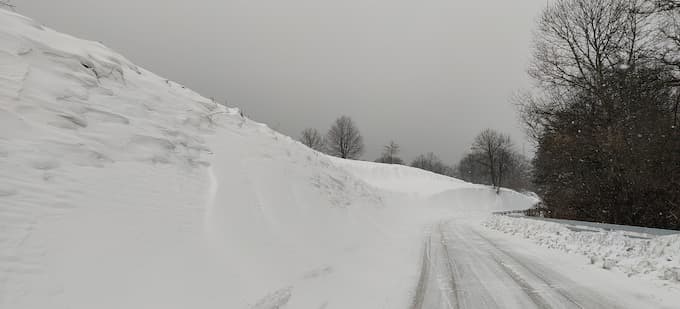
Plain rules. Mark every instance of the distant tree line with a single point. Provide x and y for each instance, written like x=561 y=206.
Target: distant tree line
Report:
x=493 y=160
x=431 y=162
x=604 y=114
x=344 y=140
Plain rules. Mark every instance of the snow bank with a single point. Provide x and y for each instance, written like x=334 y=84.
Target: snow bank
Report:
x=435 y=190
x=400 y=178
x=655 y=258
x=122 y=189
x=308 y=233
x=482 y=199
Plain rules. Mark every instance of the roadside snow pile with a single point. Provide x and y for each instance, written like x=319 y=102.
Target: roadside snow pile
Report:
x=656 y=257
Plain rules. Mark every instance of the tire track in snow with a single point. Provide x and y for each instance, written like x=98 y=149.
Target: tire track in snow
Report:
x=469 y=285
x=572 y=294
x=529 y=290
x=504 y=257
x=461 y=268
x=453 y=271
x=423 y=278
x=436 y=286
x=532 y=292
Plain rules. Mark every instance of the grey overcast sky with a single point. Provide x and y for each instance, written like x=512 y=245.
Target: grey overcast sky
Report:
x=429 y=74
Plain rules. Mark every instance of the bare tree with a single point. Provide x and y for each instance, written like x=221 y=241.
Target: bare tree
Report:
x=471 y=169
x=578 y=42
x=668 y=13
x=430 y=162
x=514 y=170
x=506 y=163
x=391 y=149
x=389 y=154
x=312 y=139
x=344 y=140
x=495 y=149
x=606 y=115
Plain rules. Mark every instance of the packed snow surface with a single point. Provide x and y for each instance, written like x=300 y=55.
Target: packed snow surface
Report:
x=466 y=265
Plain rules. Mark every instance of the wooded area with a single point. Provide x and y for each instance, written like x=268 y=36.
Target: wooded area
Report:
x=605 y=115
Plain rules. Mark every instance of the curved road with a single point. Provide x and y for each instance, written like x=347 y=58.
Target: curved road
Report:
x=468 y=266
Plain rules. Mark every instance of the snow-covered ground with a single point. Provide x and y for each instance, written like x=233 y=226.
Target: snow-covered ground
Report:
x=397 y=178
x=121 y=189
x=469 y=266
x=635 y=254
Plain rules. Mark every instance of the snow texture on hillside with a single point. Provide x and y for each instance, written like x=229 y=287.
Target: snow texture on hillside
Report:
x=435 y=190
x=400 y=178
x=122 y=189
x=647 y=256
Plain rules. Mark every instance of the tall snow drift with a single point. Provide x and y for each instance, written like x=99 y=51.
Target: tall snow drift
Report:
x=122 y=189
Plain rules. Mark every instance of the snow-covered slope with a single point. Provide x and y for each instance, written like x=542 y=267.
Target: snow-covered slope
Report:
x=400 y=178
x=436 y=190
x=121 y=189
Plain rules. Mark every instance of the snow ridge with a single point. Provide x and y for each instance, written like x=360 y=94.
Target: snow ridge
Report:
x=122 y=189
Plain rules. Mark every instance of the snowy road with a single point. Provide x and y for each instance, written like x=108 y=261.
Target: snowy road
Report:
x=468 y=266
